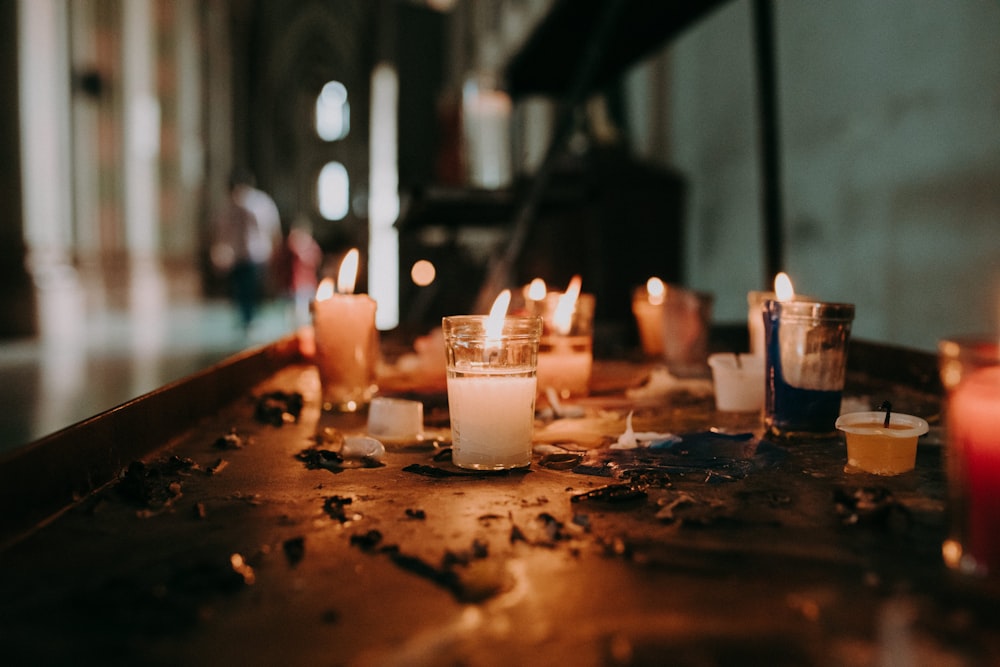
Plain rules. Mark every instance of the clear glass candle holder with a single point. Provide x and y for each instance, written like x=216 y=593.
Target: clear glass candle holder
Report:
x=687 y=318
x=806 y=352
x=491 y=390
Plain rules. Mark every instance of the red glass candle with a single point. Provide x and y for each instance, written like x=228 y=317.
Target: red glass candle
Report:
x=974 y=427
x=971 y=373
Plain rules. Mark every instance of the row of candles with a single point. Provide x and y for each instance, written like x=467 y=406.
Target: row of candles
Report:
x=794 y=373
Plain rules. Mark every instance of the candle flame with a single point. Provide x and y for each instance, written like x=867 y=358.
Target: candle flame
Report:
x=494 y=322
x=348 y=274
x=655 y=291
x=783 y=287
x=537 y=290
x=562 y=318
x=325 y=289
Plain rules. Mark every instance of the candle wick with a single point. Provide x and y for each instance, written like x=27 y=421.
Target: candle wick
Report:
x=739 y=364
x=887 y=406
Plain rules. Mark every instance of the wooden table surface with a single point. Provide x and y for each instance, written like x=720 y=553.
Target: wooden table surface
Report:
x=242 y=550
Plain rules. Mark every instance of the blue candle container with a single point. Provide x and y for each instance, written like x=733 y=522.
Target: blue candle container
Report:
x=806 y=350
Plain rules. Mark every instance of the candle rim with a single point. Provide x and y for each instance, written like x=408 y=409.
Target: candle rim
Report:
x=858 y=422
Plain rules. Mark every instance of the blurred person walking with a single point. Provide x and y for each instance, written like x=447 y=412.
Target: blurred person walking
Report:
x=247 y=234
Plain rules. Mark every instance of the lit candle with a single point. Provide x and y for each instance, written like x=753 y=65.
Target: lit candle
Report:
x=647 y=306
x=973 y=420
x=492 y=386
x=783 y=291
x=347 y=343
x=566 y=351
x=806 y=364
x=535 y=291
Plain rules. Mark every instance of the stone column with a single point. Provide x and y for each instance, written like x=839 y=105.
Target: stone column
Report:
x=140 y=174
x=43 y=90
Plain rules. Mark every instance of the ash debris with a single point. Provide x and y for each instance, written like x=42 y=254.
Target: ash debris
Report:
x=277 y=408
x=154 y=486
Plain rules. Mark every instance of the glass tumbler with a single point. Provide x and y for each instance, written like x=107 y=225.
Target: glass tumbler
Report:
x=491 y=390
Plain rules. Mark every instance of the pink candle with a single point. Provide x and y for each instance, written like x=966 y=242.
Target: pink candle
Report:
x=565 y=364
x=347 y=342
x=974 y=436
x=346 y=349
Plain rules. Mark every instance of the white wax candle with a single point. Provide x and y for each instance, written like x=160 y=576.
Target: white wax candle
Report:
x=492 y=418
x=739 y=387
x=346 y=349
x=755 y=319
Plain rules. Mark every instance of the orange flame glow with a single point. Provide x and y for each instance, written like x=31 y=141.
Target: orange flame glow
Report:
x=655 y=291
x=562 y=318
x=494 y=322
x=783 y=287
x=348 y=274
x=537 y=290
x=325 y=289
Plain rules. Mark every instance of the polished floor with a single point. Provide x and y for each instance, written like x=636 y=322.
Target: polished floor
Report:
x=90 y=358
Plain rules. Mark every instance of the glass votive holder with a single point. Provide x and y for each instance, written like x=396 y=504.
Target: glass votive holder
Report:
x=970 y=373
x=756 y=313
x=806 y=365
x=687 y=317
x=565 y=350
x=738 y=380
x=346 y=350
x=491 y=390
x=876 y=448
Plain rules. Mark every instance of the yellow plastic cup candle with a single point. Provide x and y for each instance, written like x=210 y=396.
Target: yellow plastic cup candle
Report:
x=879 y=449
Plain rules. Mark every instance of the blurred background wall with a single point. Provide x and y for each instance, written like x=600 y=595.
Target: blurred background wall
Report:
x=889 y=117
x=130 y=115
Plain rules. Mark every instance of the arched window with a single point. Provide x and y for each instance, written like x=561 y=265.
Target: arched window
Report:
x=333 y=191
x=333 y=112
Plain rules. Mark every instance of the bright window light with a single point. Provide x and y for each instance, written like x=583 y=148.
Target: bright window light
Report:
x=333 y=112
x=383 y=200
x=333 y=191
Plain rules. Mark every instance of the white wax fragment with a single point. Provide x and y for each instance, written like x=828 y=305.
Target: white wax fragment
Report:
x=359 y=447
x=631 y=439
x=662 y=382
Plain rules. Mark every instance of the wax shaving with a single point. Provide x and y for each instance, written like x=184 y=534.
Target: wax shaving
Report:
x=633 y=440
x=662 y=382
